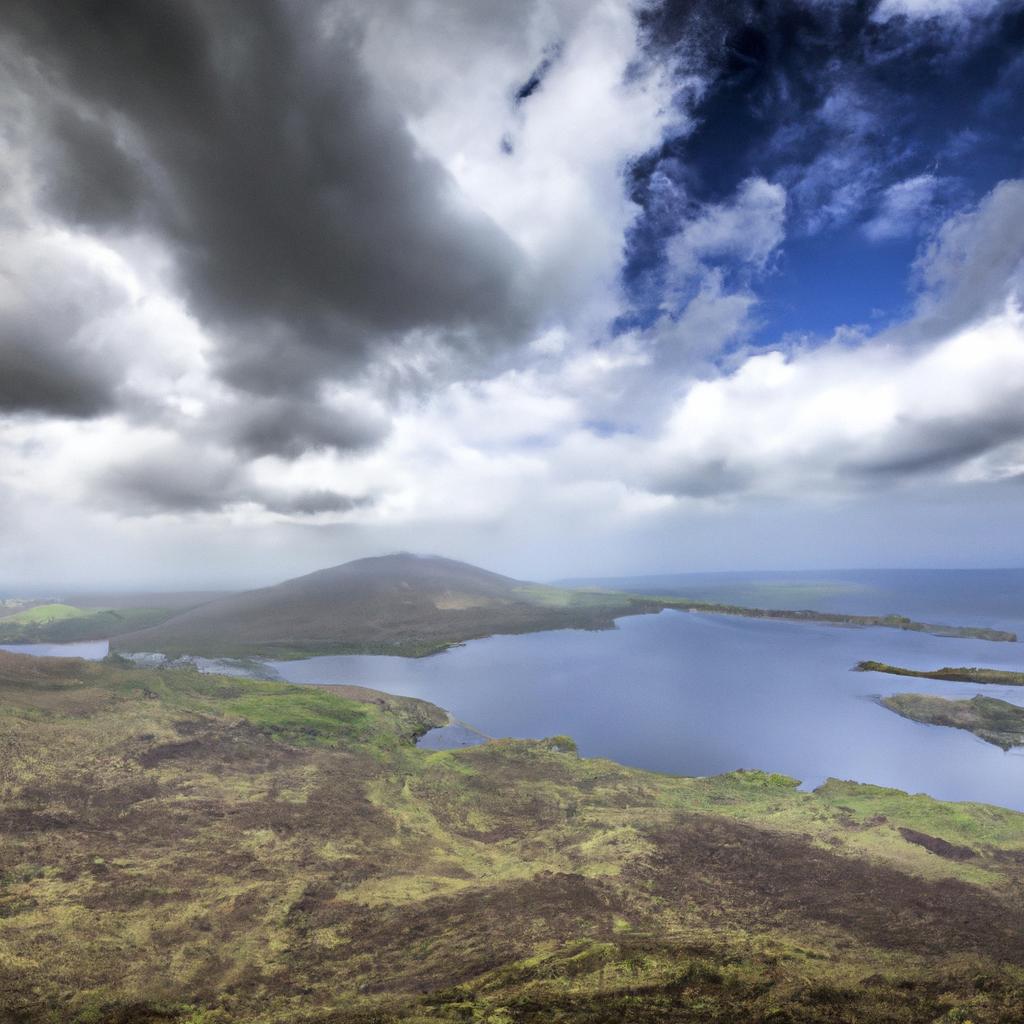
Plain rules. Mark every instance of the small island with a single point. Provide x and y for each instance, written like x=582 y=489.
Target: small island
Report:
x=995 y=721
x=994 y=676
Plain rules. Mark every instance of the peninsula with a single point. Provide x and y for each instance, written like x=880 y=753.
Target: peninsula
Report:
x=993 y=676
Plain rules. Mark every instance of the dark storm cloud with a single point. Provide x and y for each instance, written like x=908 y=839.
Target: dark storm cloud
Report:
x=37 y=375
x=171 y=480
x=711 y=478
x=273 y=426
x=942 y=443
x=89 y=177
x=305 y=223
x=311 y=503
x=180 y=479
x=49 y=363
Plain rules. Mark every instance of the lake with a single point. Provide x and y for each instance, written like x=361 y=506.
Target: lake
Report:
x=699 y=694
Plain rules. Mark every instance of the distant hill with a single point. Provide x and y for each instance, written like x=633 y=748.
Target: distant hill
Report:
x=414 y=605
x=43 y=614
x=395 y=604
x=65 y=624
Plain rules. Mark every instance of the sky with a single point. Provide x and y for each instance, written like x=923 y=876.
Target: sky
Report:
x=560 y=287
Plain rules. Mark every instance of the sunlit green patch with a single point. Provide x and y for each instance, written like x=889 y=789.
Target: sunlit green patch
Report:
x=44 y=613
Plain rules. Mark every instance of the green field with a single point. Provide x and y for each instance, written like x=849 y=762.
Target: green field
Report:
x=60 y=623
x=194 y=849
x=42 y=614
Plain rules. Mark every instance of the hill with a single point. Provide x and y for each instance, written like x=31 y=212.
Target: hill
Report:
x=184 y=848
x=70 y=624
x=395 y=604
x=415 y=605
x=93 y=617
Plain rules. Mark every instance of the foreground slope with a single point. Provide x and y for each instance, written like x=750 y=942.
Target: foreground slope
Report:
x=185 y=848
x=395 y=604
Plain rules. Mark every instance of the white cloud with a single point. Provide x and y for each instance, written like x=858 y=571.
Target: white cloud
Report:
x=712 y=319
x=838 y=183
x=749 y=228
x=576 y=435
x=903 y=207
x=941 y=395
x=830 y=419
x=556 y=187
x=613 y=436
x=973 y=262
x=852 y=414
x=920 y=10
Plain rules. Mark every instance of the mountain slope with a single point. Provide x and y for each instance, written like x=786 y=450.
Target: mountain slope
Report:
x=395 y=604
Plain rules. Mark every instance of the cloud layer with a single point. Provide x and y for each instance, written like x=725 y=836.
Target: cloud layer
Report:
x=536 y=273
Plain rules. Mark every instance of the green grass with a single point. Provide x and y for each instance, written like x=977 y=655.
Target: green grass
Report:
x=314 y=717
x=560 y=597
x=968 y=823
x=78 y=624
x=42 y=614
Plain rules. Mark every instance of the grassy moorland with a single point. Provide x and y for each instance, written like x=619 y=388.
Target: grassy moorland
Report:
x=414 y=605
x=204 y=850
x=995 y=721
x=994 y=676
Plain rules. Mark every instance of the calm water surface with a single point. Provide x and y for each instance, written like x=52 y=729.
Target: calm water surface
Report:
x=91 y=649
x=698 y=694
